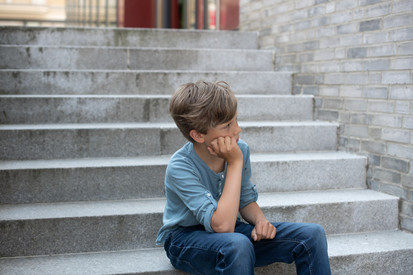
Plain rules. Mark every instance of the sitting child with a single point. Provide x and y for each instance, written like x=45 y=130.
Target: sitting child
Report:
x=207 y=184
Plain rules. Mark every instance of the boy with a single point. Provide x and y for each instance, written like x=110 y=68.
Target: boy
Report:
x=207 y=183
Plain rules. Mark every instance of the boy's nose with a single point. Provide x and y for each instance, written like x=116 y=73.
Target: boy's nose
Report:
x=238 y=129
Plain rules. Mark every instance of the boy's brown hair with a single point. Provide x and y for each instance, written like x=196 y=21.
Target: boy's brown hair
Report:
x=201 y=106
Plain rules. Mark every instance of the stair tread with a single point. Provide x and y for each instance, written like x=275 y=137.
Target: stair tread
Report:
x=163 y=160
x=127 y=36
x=138 y=80
x=156 y=205
x=134 y=48
x=141 y=96
x=155 y=260
x=217 y=72
x=369 y=242
x=154 y=125
x=124 y=58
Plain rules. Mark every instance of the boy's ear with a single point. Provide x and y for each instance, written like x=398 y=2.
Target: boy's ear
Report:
x=197 y=136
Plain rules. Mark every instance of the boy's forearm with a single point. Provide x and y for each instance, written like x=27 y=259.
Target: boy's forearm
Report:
x=252 y=213
x=225 y=216
x=263 y=229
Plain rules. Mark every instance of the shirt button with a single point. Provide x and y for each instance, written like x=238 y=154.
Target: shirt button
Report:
x=209 y=195
x=222 y=176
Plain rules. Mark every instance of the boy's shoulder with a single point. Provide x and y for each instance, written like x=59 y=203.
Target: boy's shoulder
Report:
x=183 y=162
x=183 y=155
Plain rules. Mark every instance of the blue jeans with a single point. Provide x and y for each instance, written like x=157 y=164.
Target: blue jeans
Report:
x=193 y=250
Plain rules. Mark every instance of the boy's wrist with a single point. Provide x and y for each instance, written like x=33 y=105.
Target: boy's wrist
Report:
x=237 y=161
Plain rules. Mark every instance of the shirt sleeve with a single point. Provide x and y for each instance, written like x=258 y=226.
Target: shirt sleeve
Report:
x=186 y=184
x=248 y=190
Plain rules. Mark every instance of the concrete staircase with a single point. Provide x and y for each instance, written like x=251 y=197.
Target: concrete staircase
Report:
x=85 y=137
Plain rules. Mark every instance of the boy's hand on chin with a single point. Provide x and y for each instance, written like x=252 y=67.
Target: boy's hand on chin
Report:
x=226 y=148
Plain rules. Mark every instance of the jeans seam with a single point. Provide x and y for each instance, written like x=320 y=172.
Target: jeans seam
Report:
x=191 y=247
x=307 y=249
x=195 y=247
x=182 y=261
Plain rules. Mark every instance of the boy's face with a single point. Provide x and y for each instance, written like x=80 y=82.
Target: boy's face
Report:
x=230 y=128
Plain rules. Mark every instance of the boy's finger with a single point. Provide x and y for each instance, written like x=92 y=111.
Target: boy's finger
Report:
x=254 y=235
x=274 y=232
x=214 y=145
x=211 y=151
x=271 y=232
x=261 y=231
x=221 y=142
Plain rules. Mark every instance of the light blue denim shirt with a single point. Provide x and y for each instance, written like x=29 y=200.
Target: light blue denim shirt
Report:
x=192 y=190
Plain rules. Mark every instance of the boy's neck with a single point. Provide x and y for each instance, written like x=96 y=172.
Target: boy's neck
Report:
x=216 y=164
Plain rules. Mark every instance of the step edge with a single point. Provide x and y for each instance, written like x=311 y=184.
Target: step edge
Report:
x=148 y=71
x=157 y=125
x=163 y=263
x=33 y=211
x=130 y=48
x=142 y=96
x=164 y=159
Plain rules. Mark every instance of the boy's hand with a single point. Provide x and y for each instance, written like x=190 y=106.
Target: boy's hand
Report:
x=225 y=148
x=263 y=230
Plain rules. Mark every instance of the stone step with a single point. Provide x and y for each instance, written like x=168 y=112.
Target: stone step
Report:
x=111 y=37
x=29 y=109
x=362 y=253
x=56 y=228
x=111 y=58
x=42 y=181
x=60 y=141
x=137 y=81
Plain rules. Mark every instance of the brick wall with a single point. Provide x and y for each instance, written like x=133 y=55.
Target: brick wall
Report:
x=356 y=58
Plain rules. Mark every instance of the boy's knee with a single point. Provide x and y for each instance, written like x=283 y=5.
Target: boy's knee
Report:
x=317 y=231
x=238 y=241
x=237 y=256
x=317 y=235
x=238 y=247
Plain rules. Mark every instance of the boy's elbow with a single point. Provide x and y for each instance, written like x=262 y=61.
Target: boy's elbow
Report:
x=223 y=223
x=223 y=228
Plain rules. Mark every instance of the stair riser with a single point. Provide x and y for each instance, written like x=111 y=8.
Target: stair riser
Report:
x=26 y=110
x=401 y=264
x=304 y=175
x=133 y=59
x=72 y=235
x=136 y=82
x=387 y=262
x=127 y=38
x=123 y=232
x=84 y=143
x=155 y=263
x=340 y=218
x=83 y=110
x=146 y=181
x=122 y=142
x=290 y=138
x=82 y=184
